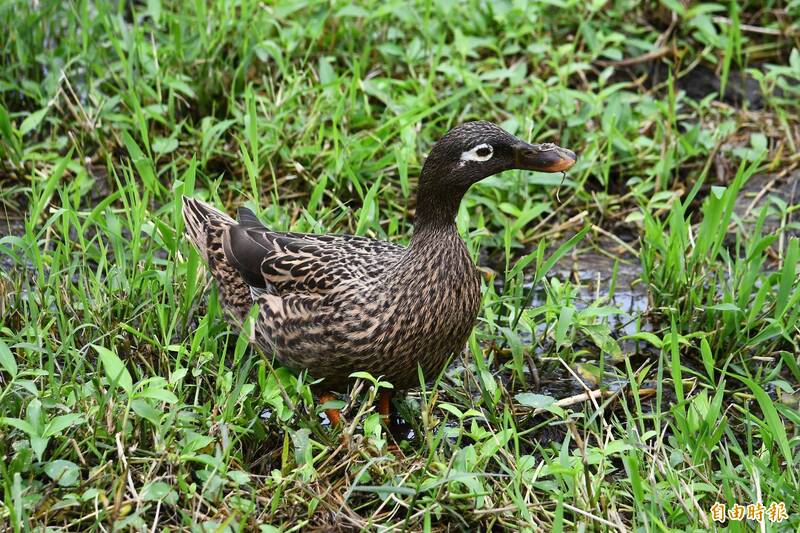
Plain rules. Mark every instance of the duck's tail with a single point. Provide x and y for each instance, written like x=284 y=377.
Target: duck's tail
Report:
x=200 y=218
x=206 y=227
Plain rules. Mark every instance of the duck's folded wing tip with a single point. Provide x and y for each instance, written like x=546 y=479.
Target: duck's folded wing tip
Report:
x=247 y=218
x=245 y=255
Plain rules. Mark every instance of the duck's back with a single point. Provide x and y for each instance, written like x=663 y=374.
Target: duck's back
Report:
x=245 y=257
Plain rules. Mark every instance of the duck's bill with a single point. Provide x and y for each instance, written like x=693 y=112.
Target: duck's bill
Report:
x=544 y=157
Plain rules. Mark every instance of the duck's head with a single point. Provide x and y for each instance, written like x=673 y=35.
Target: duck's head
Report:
x=476 y=150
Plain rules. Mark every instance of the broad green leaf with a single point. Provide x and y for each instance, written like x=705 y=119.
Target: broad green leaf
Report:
x=537 y=401
x=38 y=445
x=65 y=473
x=144 y=409
x=22 y=425
x=114 y=368
x=158 y=393
x=60 y=423
x=644 y=336
x=724 y=307
x=157 y=490
x=564 y=322
x=7 y=361
x=164 y=145
x=32 y=121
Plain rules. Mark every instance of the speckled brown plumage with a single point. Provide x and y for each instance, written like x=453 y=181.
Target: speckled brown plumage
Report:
x=337 y=304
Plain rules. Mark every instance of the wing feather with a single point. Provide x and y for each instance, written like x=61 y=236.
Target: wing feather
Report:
x=286 y=262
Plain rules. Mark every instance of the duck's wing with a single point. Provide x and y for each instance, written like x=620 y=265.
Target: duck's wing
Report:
x=285 y=263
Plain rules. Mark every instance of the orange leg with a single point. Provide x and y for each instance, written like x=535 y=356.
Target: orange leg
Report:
x=385 y=410
x=333 y=414
x=385 y=404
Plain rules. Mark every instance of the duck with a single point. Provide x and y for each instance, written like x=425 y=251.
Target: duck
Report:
x=337 y=304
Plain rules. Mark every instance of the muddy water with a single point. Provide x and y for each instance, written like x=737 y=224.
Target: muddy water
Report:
x=773 y=191
x=592 y=272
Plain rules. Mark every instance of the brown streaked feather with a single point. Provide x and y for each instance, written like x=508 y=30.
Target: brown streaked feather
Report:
x=196 y=217
x=304 y=263
x=206 y=228
x=334 y=304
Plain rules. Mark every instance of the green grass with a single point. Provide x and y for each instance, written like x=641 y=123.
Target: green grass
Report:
x=126 y=400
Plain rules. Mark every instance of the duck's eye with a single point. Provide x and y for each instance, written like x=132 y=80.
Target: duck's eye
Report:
x=482 y=152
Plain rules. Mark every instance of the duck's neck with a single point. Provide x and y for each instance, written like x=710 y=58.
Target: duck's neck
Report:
x=436 y=241
x=436 y=208
x=435 y=218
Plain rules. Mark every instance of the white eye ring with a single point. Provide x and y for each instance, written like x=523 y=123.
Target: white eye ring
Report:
x=478 y=153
